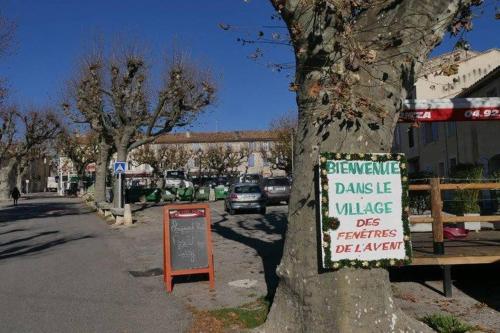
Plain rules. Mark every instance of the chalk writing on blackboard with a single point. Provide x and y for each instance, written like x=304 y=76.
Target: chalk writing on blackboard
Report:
x=188 y=243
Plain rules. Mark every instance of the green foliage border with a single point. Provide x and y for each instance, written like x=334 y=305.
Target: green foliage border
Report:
x=332 y=223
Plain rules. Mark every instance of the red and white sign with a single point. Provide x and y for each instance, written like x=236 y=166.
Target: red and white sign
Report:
x=455 y=109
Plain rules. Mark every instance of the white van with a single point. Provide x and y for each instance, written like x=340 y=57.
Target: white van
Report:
x=52 y=184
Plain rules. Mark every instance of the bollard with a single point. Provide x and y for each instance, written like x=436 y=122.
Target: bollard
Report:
x=127 y=215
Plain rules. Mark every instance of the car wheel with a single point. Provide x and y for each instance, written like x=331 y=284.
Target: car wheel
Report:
x=263 y=210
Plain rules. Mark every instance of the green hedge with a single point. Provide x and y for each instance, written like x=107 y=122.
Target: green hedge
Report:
x=466 y=201
x=420 y=201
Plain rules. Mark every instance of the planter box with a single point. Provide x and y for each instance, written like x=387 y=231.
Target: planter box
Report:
x=470 y=225
x=425 y=227
x=421 y=227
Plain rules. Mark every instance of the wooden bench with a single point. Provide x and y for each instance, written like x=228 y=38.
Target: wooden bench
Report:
x=103 y=208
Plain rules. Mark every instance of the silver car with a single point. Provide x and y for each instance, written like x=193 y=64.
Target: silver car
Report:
x=277 y=190
x=245 y=196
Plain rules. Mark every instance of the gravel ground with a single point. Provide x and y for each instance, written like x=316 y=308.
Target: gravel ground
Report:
x=248 y=247
x=245 y=255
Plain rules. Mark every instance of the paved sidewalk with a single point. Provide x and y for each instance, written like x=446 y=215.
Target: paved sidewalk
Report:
x=61 y=272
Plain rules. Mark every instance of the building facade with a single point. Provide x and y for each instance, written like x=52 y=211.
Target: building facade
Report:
x=254 y=143
x=438 y=147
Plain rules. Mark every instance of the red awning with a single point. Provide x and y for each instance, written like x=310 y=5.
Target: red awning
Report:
x=454 y=109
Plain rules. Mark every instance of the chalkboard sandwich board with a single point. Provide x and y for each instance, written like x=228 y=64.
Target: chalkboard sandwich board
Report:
x=187 y=242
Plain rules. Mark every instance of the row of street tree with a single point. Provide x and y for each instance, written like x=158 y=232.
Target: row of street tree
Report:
x=111 y=96
x=220 y=158
x=24 y=131
x=355 y=62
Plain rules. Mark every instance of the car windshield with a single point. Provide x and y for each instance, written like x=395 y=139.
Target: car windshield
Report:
x=175 y=174
x=222 y=180
x=251 y=178
x=247 y=189
x=278 y=182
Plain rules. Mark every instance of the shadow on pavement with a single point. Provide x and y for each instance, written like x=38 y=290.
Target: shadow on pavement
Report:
x=26 y=211
x=19 y=240
x=139 y=207
x=39 y=195
x=24 y=250
x=480 y=282
x=12 y=231
x=269 y=251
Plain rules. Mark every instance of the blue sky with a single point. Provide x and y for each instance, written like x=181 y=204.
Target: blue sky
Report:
x=53 y=34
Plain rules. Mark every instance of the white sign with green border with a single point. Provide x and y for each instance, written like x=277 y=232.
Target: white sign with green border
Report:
x=364 y=210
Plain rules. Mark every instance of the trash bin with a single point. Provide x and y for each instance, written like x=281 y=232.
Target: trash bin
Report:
x=221 y=192
x=202 y=193
x=168 y=195
x=185 y=193
x=153 y=195
x=133 y=194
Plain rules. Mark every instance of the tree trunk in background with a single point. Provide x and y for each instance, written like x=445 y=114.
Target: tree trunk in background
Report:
x=7 y=179
x=101 y=171
x=121 y=156
x=19 y=180
x=21 y=172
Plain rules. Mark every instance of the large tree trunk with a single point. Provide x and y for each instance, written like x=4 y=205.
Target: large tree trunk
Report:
x=346 y=104
x=101 y=171
x=7 y=178
x=347 y=300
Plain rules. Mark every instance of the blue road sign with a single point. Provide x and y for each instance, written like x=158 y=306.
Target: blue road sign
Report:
x=120 y=167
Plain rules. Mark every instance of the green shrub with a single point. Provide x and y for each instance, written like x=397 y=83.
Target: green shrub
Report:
x=420 y=201
x=466 y=201
x=495 y=176
x=446 y=324
x=248 y=315
x=495 y=194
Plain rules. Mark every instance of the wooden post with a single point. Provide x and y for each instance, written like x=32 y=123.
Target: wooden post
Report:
x=447 y=286
x=437 y=215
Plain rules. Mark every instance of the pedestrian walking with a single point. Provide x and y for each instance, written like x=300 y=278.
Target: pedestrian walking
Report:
x=15 y=195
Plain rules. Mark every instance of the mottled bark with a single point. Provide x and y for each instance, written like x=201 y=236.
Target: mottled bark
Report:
x=101 y=171
x=7 y=178
x=350 y=107
x=19 y=180
x=121 y=155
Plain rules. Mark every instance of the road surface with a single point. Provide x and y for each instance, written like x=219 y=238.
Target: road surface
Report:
x=61 y=271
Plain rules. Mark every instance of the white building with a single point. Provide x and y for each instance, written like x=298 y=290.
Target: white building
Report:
x=437 y=147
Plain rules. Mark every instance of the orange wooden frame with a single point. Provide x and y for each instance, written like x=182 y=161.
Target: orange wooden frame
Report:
x=168 y=272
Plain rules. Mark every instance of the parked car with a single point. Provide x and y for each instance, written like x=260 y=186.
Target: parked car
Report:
x=245 y=196
x=252 y=178
x=223 y=180
x=277 y=189
x=173 y=178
